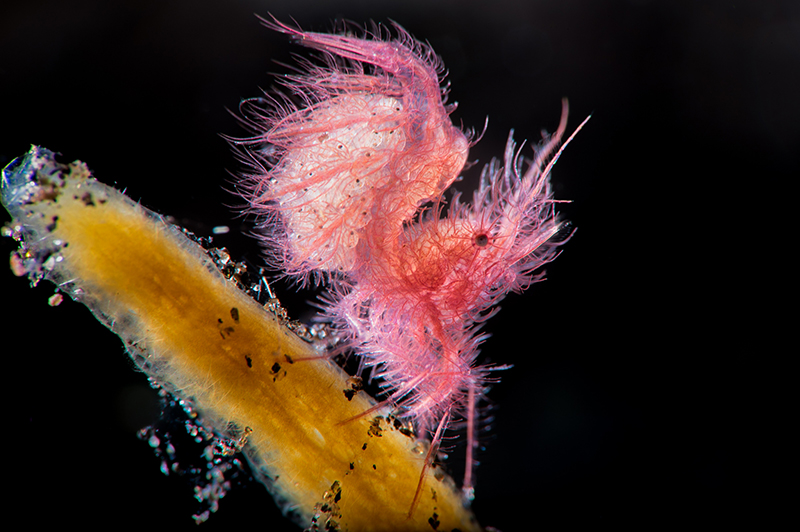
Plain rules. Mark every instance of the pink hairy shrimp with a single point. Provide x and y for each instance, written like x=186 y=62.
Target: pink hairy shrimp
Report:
x=340 y=182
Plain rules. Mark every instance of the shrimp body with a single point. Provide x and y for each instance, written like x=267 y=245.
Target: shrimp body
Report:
x=360 y=158
x=340 y=181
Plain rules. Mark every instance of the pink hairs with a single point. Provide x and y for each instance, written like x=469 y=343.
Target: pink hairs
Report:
x=340 y=181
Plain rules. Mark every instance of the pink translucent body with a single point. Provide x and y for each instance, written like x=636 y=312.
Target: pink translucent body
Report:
x=341 y=179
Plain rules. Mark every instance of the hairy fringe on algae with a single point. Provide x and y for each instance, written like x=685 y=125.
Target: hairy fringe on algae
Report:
x=341 y=180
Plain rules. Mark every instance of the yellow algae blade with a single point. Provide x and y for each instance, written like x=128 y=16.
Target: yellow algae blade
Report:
x=195 y=333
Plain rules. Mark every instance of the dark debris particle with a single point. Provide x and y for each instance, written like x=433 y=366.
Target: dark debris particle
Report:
x=87 y=199
x=277 y=372
x=356 y=385
x=364 y=447
x=288 y=359
x=352 y=466
x=374 y=467
x=235 y=314
x=434 y=521
x=249 y=360
x=375 y=427
x=403 y=428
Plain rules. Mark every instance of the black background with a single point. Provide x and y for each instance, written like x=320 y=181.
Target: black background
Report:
x=632 y=394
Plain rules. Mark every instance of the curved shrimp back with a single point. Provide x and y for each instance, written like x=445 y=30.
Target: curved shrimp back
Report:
x=370 y=142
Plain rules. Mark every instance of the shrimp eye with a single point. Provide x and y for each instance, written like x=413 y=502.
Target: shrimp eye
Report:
x=481 y=240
